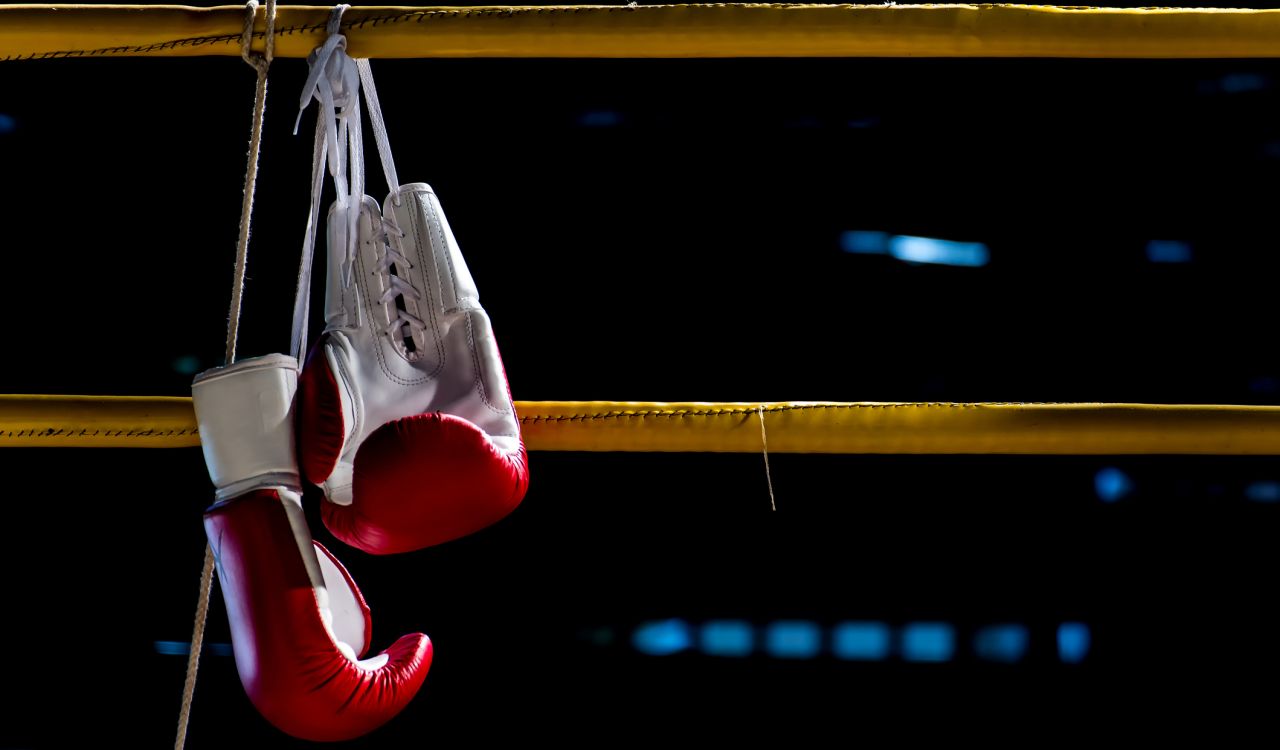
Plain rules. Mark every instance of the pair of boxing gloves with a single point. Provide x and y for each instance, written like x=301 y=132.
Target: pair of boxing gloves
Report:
x=403 y=416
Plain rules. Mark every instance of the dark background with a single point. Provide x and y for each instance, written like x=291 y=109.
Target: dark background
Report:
x=670 y=230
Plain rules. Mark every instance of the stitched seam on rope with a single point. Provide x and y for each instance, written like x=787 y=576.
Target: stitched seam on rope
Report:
x=420 y=16
x=770 y=409
x=413 y=17
x=72 y=432
x=234 y=37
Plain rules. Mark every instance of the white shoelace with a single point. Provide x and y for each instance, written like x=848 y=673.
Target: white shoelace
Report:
x=334 y=80
x=392 y=263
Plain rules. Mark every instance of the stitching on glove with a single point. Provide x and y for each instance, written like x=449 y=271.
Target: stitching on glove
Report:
x=441 y=350
x=475 y=360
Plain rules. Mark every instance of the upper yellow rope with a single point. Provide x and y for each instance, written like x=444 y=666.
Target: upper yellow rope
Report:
x=711 y=30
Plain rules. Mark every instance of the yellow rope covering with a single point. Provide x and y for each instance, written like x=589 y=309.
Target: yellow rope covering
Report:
x=793 y=427
x=97 y=422
x=719 y=30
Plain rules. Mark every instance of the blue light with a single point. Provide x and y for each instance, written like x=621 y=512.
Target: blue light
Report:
x=187 y=364
x=1168 y=251
x=1002 y=643
x=597 y=636
x=793 y=639
x=862 y=123
x=865 y=243
x=1112 y=484
x=940 y=252
x=802 y=122
x=1239 y=83
x=7 y=123
x=860 y=641
x=1264 y=384
x=928 y=641
x=662 y=637
x=1073 y=642
x=727 y=638
x=601 y=118
x=183 y=648
x=1263 y=492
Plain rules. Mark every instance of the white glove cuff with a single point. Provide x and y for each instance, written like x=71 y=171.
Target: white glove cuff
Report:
x=245 y=413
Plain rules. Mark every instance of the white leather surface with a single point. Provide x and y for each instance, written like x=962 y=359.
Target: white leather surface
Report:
x=245 y=417
x=348 y=619
x=455 y=367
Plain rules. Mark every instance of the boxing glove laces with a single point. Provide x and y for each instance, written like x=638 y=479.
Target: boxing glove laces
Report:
x=404 y=415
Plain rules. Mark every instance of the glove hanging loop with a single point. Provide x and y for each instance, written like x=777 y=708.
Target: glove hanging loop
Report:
x=334 y=81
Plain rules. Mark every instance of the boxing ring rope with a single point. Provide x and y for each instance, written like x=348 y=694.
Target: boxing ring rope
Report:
x=678 y=31
x=793 y=427
x=685 y=31
x=32 y=32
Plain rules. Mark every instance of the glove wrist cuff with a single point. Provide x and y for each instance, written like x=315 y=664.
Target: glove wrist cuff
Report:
x=245 y=416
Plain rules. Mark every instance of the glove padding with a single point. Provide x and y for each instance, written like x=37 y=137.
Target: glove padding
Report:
x=298 y=665
x=404 y=415
x=298 y=622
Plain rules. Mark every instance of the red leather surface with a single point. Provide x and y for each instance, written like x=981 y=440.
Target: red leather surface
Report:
x=423 y=480
x=320 y=428
x=289 y=665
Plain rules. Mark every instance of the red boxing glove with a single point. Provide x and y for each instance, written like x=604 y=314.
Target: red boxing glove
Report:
x=298 y=621
x=404 y=414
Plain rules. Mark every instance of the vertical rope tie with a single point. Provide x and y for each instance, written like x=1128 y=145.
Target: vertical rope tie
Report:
x=197 y=642
x=764 y=443
x=260 y=62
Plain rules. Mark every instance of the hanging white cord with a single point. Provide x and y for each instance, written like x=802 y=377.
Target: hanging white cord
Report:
x=764 y=442
x=334 y=82
x=379 y=128
x=260 y=62
x=302 y=296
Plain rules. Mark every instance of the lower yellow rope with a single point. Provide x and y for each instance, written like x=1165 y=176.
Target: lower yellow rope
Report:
x=695 y=427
